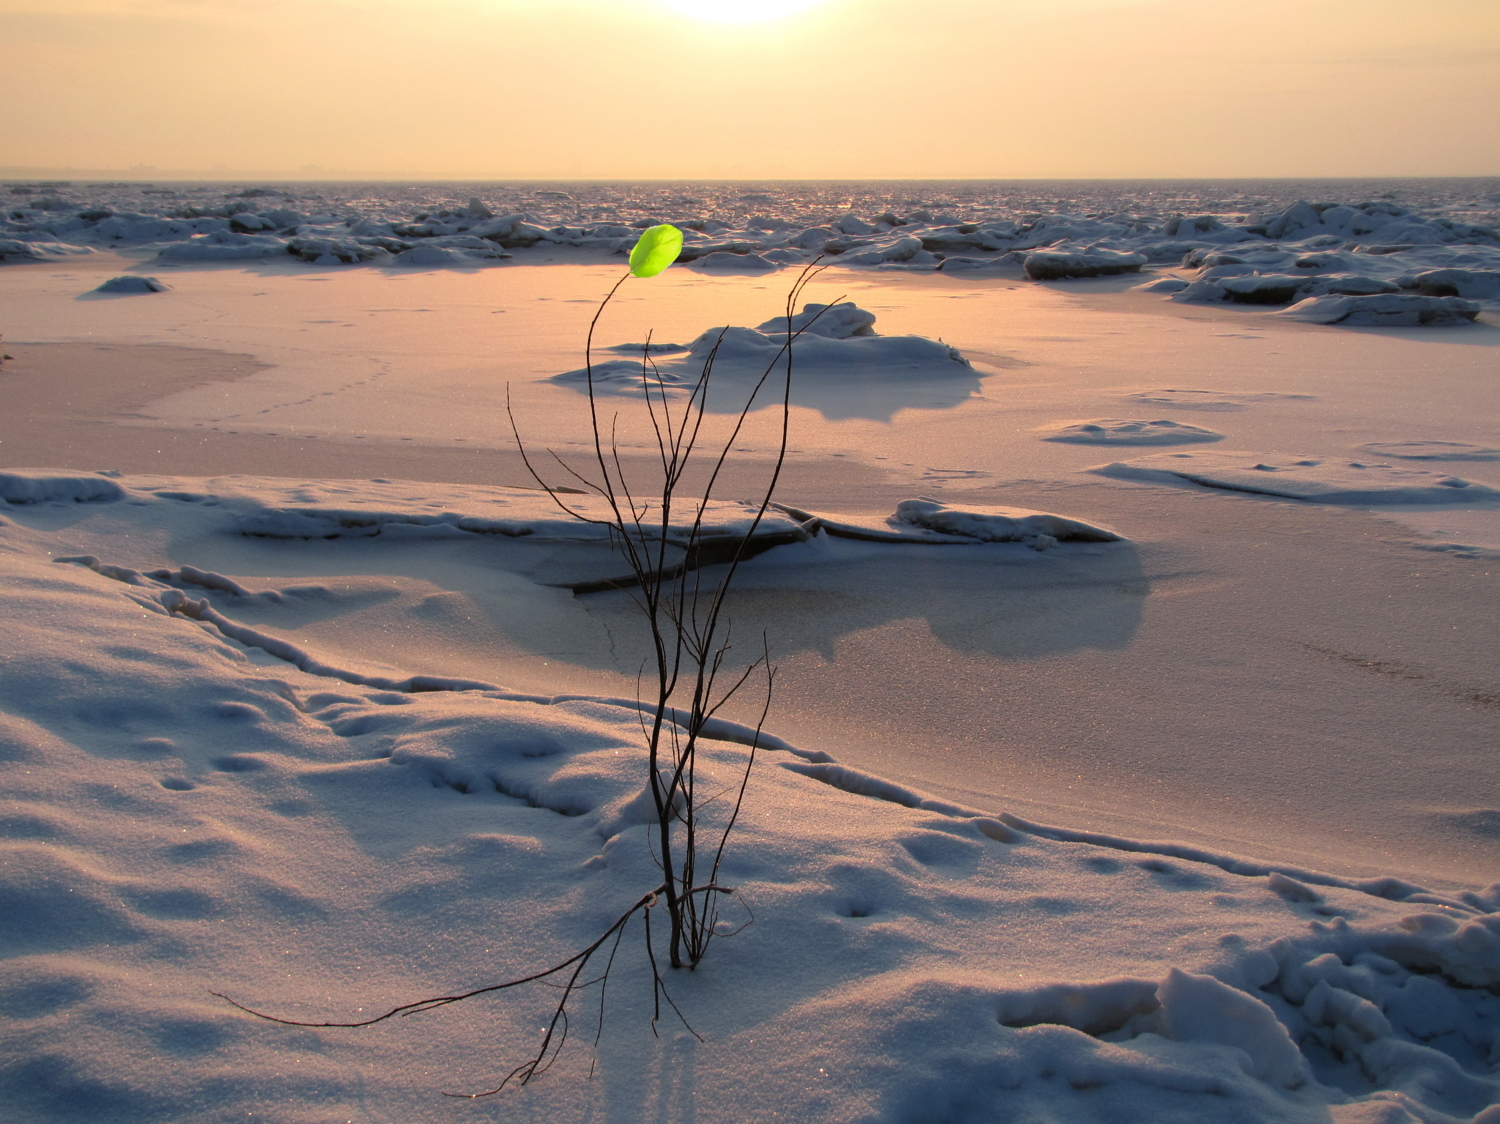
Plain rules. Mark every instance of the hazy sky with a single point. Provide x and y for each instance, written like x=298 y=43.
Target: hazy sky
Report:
x=510 y=89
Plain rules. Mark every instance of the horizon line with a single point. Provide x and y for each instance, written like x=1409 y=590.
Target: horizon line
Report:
x=177 y=175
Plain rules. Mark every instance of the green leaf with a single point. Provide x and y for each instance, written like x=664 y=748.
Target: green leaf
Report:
x=657 y=249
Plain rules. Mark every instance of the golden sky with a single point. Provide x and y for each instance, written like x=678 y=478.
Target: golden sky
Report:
x=816 y=89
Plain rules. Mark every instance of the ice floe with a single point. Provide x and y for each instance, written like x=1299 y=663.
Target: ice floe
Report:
x=1395 y=310
x=1472 y=284
x=1055 y=265
x=1251 y=250
x=1316 y=479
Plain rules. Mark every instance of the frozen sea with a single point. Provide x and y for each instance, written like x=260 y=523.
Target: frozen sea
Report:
x=1133 y=746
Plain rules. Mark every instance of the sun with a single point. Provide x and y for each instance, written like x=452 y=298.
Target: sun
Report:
x=740 y=11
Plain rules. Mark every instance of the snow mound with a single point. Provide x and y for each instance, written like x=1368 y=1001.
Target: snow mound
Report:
x=1315 y=479
x=834 y=342
x=847 y=342
x=1432 y=450
x=45 y=485
x=1202 y=1009
x=133 y=284
x=818 y=355
x=1394 y=310
x=834 y=322
x=1164 y=285
x=1119 y=431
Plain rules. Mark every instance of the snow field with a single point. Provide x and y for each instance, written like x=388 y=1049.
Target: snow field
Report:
x=185 y=814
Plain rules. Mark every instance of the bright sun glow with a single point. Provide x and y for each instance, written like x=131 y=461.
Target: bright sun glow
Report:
x=740 y=11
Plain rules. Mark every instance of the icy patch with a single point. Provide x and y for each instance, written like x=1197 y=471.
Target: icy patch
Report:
x=1118 y=431
x=1432 y=450
x=1318 y=480
x=133 y=284
x=1391 y=310
x=1217 y=400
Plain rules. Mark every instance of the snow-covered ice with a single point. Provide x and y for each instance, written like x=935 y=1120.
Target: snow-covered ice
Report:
x=1392 y=310
x=1155 y=790
x=1318 y=479
x=1432 y=450
x=195 y=804
x=834 y=347
x=1426 y=256
x=1124 y=431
